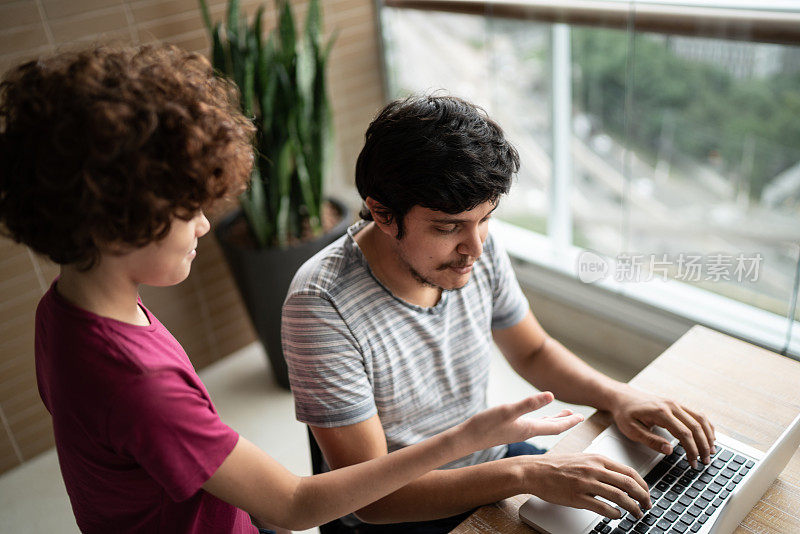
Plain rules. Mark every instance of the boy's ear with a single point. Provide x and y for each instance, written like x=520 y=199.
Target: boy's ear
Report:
x=111 y=248
x=382 y=216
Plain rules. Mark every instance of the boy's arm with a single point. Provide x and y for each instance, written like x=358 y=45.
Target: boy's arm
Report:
x=570 y=480
x=250 y=479
x=436 y=494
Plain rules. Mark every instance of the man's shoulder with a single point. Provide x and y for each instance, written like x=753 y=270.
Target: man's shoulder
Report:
x=490 y=245
x=335 y=270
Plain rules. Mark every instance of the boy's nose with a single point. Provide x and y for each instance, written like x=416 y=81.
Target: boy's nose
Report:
x=203 y=226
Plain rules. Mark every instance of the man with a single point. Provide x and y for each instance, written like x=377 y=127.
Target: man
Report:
x=388 y=332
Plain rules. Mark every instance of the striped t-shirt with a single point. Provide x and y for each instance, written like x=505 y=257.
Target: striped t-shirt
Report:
x=354 y=349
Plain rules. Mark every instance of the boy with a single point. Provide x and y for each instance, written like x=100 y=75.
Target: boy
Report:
x=108 y=159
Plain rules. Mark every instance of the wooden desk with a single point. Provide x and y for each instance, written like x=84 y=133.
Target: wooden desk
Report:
x=749 y=393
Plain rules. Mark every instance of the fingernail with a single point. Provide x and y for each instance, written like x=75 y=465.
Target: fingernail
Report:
x=713 y=450
x=693 y=464
x=666 y=449
x=707 y=460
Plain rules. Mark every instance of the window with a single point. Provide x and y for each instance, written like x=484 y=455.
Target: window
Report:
x=674 y=158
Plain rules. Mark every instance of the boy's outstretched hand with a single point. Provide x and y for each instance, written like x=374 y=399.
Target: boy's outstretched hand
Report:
x=506 y=424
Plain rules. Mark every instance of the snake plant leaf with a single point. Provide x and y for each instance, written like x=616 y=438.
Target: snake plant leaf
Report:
x=281 y=80
x=243 y=29
x=283 y=174
x=329 y=45
x=218 y=51
x=254 y=209
x=206 y=16
x=226 y=63
x=265 y=80
x=285 y=93
x=309 y=196
x=302 y=160
x=306 y=63
x=306 y=74
x=239 y=59
x=233 y=20
x=313 y=30
x=257 y=23
x=258 y=34
x=321 y=124
x=286 y=31
x=249 y=81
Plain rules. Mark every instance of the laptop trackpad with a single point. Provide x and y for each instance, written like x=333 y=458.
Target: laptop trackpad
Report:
x=556 y=519
x=623 y=451
x=551 y=518
x=611 y=443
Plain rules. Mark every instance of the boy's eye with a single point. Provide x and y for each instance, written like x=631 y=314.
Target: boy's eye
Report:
x=449 y=229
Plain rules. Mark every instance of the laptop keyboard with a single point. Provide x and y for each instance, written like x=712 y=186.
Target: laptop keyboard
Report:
x=683 y=498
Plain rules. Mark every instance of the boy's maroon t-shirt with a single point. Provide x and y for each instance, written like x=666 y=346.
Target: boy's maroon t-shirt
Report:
x=136 y=432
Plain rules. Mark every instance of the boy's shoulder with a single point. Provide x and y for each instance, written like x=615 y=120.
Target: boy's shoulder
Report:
x=69 y=336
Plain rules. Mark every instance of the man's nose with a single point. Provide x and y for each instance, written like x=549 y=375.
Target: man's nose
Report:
x=471 y=245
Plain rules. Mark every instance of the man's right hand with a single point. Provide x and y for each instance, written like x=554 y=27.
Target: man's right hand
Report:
x=577 y=480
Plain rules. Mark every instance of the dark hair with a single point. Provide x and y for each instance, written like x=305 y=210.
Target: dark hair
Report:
x=107 y=145
x=438 y=152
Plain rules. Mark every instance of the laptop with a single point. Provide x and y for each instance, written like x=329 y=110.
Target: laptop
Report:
x=712 y=499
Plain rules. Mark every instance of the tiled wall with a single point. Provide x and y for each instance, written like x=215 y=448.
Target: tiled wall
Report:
x=205 y=312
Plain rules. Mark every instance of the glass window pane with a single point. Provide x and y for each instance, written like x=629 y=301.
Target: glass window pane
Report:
x=682 y=147
x=499 y=64
x=714 y=163
x=600 y=148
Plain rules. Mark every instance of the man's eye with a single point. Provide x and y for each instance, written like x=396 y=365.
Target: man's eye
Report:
x=446 y=229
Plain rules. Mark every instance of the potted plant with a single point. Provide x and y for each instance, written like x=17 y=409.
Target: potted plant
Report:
x=283 y=215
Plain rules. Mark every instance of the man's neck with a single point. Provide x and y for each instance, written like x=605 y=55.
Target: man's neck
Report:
x=102 y=291
x=381 y=253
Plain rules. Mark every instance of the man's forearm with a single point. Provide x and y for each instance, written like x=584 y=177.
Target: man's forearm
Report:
x=555 y=368
x=447 y=492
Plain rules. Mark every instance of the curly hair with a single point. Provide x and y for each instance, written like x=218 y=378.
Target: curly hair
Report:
x=108 y=145
x=438 y=152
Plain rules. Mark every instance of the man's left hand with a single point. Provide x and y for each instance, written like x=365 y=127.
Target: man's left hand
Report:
x=636 y=412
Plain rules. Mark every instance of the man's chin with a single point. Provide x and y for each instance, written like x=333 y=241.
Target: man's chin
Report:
x=455 y=288
x=446 y=280
x=458 y=283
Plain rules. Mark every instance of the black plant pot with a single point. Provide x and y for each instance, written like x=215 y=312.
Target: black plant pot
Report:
x=263 y=277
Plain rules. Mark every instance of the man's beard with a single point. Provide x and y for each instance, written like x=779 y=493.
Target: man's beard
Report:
x=421 y=279
x=418 y=276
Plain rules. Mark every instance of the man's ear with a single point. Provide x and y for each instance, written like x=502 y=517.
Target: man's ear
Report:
x=382 y=216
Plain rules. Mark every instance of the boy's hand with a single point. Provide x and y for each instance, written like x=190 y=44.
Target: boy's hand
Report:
x=505 y=424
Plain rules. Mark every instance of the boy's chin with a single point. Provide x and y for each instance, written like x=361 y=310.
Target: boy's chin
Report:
x=168 y=281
